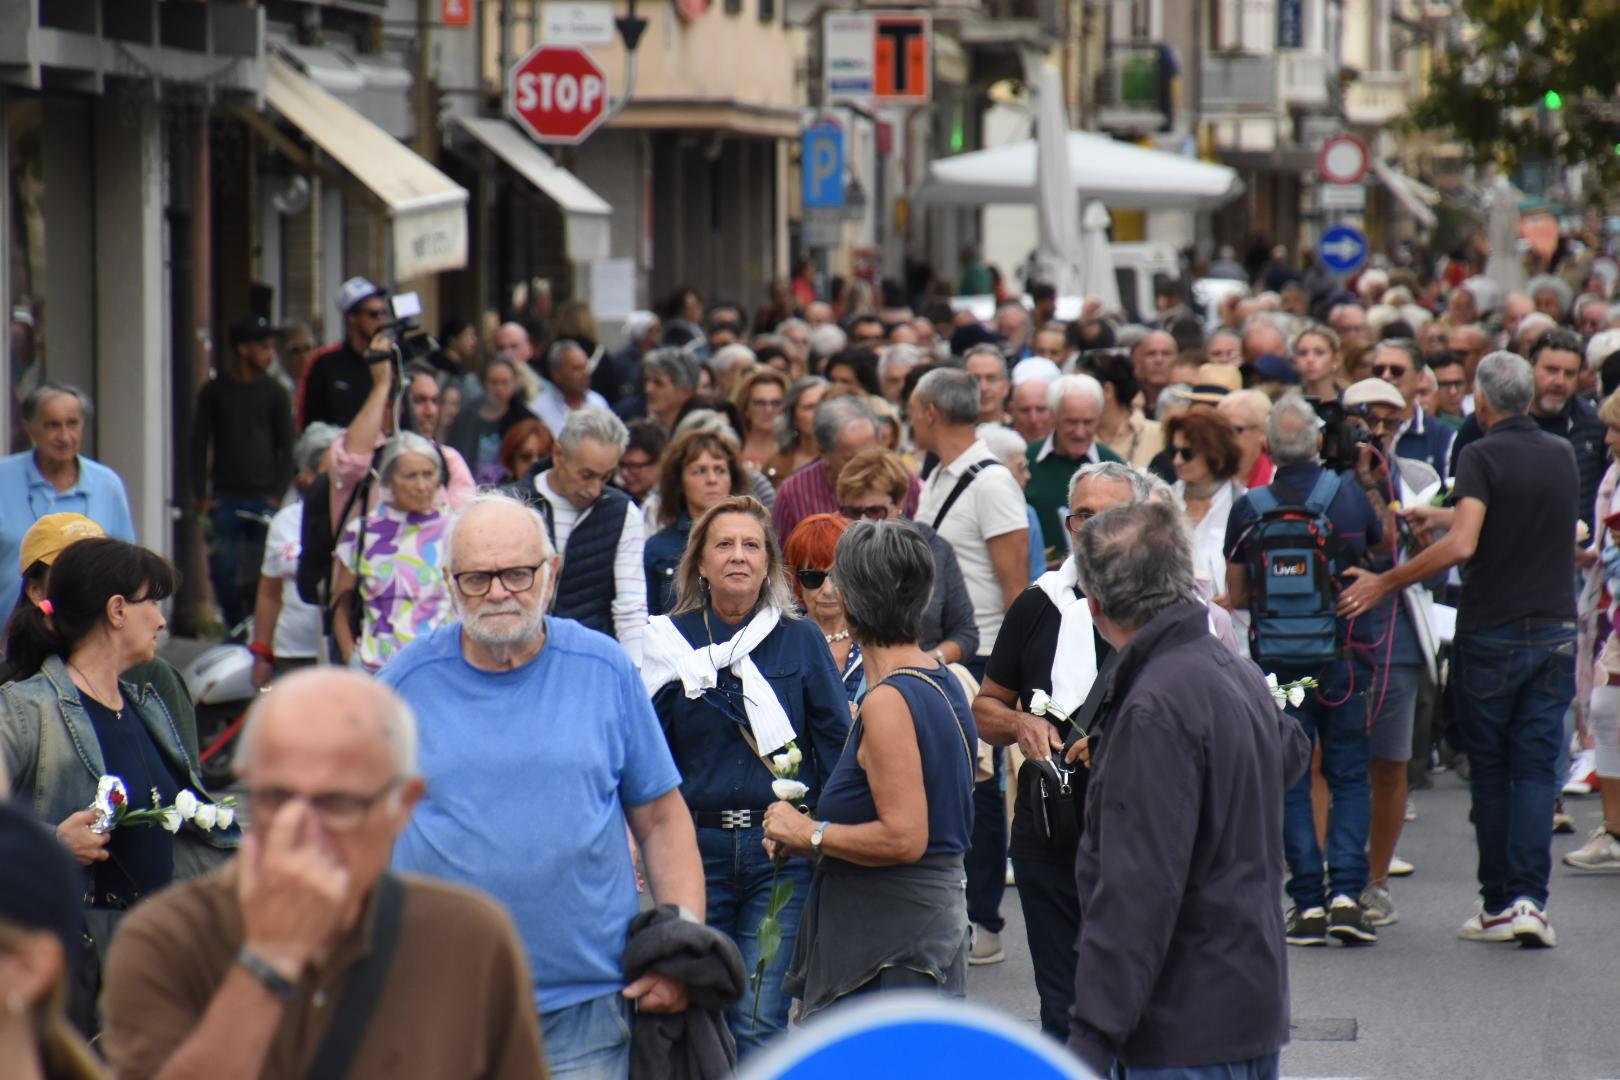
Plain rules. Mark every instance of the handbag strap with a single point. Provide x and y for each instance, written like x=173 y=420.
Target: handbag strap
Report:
x=364 y=988
x=918 y=673
x=962 y=485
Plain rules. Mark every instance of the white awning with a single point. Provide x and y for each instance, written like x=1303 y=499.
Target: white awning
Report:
x=1415 y=196
x=1117 y=173
x=587 y=215
x=427 y=209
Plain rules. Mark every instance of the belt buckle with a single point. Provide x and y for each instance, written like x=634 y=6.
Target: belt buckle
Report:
x=736 y=819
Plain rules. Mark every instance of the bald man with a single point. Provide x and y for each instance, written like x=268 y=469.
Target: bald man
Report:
x=239 y=973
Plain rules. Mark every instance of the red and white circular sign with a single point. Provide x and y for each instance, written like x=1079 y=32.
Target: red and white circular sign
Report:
x=1342 y=160
x=557 y=93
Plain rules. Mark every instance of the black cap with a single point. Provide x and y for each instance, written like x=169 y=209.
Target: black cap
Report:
x=40 y=888
x=252 y=328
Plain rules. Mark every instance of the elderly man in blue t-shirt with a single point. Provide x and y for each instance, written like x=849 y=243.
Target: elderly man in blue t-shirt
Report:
x=538 y=743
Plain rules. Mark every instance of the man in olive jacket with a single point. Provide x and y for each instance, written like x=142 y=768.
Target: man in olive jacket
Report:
x=1179 y=869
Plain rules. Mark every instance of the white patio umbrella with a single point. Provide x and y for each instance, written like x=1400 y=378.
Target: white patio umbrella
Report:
x=1505 y=266
x=1097 y=280
x=1057 y=232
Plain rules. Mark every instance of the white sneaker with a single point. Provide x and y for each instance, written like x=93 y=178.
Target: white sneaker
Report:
x=1530 y=926
x=1600 y=855
x=1379 y=905
x=986 y=947
x=1486 y=926
x=1411 y=811
x=1582 y=778
x=1399 y=867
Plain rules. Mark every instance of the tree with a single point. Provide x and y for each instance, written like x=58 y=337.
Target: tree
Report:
x=1534 y=79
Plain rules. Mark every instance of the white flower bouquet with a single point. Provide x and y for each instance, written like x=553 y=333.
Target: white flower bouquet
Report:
x=113 y=810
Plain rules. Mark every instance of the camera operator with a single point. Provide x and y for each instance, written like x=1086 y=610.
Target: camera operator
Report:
x=338 y=378
x=1311 y=499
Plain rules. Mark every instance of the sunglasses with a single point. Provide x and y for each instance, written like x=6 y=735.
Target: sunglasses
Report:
x=1390 y=371
x=374 y=313
x=1185 y=453
x=870 y=513
x=812 y=579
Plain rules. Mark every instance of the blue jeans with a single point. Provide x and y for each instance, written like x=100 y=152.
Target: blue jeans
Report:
x=1341 y=728
x=1268 y=1067
x=738 y=875
x=589 y=1041
x=986 y=860
x=1514 y=684
x=235 y=555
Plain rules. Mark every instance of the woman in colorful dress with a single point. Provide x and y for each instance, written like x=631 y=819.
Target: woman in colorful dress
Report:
x=389 y=581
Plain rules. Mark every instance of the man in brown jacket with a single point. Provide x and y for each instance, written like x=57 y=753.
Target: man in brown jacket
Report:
x=262 y=969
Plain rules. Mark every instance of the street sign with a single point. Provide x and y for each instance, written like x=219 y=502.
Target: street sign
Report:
x=557 y=93
x=578 y=24
x=877 y=57
x=1343 y=197
x=1343 y=249
x=822 y=163
x=1342 y=160
x=823 y=228
x=455 y=12
x=847 y=60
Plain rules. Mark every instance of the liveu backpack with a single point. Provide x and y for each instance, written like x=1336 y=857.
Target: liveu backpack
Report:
x=1292 y=595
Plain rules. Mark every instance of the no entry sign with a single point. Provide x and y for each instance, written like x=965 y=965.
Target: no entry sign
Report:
x=557 y=93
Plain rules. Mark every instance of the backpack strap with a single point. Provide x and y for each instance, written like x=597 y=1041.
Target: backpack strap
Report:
x=1263 y=500
x=364 y=987
x=962 y=485
x=1323 y=492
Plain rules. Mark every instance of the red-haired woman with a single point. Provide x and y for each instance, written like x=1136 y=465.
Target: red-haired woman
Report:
x=808 y=554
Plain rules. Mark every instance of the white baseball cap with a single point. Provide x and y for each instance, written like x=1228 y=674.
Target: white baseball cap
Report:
x=1374 y=392
x=355 y=290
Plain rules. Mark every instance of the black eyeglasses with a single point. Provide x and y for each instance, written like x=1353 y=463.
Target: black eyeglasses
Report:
x=812 y=579
x=515 y=579
x=1389 y=371
x=1077 y=520
x=338 y=809
x=1185 y=453
x=870 y=513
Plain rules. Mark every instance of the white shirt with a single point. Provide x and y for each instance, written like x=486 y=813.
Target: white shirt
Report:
x=1050 y=446
x=298 y=628
x=1209 y=536
x=991 y=506
x=629 y=575
x=552 y=408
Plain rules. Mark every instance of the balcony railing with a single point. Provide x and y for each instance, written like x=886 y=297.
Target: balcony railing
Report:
x=1376 y=97
x=1303 y=78
x=1239 y=83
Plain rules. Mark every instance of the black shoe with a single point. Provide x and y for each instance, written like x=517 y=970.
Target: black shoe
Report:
x=1349 y=922
x=1308 y=927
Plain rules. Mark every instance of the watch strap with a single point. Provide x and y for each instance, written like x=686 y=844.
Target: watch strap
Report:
x=268 y=977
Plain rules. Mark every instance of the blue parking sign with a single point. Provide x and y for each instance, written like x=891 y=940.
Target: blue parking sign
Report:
x=822 y=164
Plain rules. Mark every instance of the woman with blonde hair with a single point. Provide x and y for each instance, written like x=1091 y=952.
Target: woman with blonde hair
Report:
x=759 y=397
x=1316 y=352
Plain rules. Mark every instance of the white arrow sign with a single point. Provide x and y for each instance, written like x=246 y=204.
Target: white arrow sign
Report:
x=1344 y=249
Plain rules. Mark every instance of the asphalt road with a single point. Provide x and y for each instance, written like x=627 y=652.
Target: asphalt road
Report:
x=1423 y=1003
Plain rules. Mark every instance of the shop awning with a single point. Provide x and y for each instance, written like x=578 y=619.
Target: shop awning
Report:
x=426 y=209
x=587 y=215
x=1416 y=196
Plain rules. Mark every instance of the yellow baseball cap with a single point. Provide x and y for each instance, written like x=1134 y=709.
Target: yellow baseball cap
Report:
x=51 y=535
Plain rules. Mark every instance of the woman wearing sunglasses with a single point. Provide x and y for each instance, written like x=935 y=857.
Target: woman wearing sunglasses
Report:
x=809 y=554
x=1205 y=453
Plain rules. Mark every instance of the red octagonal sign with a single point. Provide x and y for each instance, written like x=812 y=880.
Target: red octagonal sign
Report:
x=557 y=93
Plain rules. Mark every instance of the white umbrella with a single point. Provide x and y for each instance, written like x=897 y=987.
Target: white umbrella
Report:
x=1057 y=233
x=1097 y=280
x=1120 y=174
x=1505 y=266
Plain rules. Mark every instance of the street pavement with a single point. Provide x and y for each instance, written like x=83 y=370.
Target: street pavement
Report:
x=1422 y=1003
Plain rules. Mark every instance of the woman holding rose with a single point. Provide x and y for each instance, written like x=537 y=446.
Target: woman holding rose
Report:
x=735 y=677
x=888 y=907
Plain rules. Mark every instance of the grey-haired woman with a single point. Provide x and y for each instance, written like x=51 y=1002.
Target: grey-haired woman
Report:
x=389 y=583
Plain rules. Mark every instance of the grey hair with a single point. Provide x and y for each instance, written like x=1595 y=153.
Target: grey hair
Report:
x=1136 y=561
x=1141 y=480
x=1505 y=381
x=1171 y=396
x=895 y=355
x=953 y=392
x=1064 y=385
x=791 y=324
x=1291 y=430
x=313 y=444
x=676 y=365
x=491 y=497
x=884 y=570
x=827 y=339
x=597 y=424
x=1002 y=440
x=735 y=355
x=984 y=348
x=396 y=722
x=787 y=435
x=1549 y=283
x=39 y=395
x=834 y=414
x=554 y=354
x=715 y=423
x=1407 y=346
x=406 y=442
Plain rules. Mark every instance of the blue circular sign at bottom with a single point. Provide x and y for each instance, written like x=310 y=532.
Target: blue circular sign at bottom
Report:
x=896 y=1035
x=1343 y=248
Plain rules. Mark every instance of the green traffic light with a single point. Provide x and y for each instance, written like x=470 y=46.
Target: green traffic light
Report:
x=1553 y=100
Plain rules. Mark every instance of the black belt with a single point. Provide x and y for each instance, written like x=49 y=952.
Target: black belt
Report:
x=728 y=819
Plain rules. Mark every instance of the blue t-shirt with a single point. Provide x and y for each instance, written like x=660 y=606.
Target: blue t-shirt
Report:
x=528 y=775
x=26 y=496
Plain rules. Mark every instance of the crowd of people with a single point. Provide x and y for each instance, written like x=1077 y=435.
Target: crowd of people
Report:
x=599 y=606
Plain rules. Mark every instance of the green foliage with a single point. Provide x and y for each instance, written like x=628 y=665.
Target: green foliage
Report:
x=1537 y=80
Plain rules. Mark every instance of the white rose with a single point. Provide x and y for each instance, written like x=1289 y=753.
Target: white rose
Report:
x=1296 y=696
x=789 y=790
x=1271 y=681
x=794 y=755
x=223 y=819
x=205 y=816
x=187 y=803
x=781 y=763
x=1039 y=702
x=172 y=820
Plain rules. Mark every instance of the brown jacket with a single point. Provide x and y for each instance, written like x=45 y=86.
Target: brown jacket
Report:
x=458 y=1005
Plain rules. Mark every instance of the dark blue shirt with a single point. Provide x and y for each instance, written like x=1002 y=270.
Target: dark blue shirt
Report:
x=719 y=769
x=661 y=556
x=946 y=736
x=1428 y=440
x=140 y=858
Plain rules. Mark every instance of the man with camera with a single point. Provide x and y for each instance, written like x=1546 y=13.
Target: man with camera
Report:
x=338 y=379
x=1286 y=545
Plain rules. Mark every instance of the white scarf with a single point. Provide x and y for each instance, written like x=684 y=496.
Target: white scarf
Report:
x=1074 y=664
x=666 y=657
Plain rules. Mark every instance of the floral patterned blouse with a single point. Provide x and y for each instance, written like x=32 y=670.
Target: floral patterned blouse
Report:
x=401 y=583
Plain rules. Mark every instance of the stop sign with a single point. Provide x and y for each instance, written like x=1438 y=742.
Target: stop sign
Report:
x=557 y=93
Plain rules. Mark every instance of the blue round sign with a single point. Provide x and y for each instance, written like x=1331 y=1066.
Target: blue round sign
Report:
x=1343 y=248
x=896 y=1035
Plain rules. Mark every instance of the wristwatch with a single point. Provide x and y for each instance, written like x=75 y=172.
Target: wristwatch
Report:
x=815 y=838
x=267 y=976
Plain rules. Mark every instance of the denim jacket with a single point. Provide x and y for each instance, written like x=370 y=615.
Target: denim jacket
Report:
x=54 y=758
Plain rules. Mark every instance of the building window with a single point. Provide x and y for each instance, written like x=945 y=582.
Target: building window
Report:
x=734 y=7
x=767 y=10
